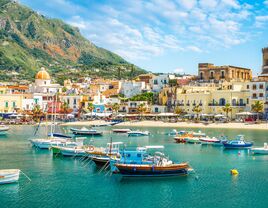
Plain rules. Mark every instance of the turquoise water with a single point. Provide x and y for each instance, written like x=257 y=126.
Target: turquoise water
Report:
x=67 y=182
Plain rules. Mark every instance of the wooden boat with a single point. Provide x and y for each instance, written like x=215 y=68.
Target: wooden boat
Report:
x=260 y=150
x=84 y=131
x=9 y=176
x=208 y=140
x=238 y=143
x=138 y=133
x=121 y=130
x=149 y=170
x=3 y=129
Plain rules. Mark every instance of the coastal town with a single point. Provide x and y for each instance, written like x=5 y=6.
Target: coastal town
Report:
x=215 y=93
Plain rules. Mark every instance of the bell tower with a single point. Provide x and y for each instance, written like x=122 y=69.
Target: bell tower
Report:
x=265 y=61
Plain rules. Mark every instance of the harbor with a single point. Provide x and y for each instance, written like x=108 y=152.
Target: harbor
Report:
x=53 y=177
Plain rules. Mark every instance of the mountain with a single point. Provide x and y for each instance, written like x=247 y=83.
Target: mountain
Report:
x=29 y=41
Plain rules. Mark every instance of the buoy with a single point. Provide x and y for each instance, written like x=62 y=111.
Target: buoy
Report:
x=234 y=172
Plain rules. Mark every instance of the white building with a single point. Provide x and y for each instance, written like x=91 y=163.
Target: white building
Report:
x=131 y=88
x=160 y=81
x=73 y=101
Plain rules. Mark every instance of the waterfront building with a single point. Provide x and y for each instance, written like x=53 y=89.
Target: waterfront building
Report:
x=133 y=106
x=13 y=102
x=212 y=97
x=208 y=72
x=158 y=109
x=160 y=81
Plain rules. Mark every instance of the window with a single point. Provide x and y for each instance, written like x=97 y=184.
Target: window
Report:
x=261 y=95
x=247 y=86
x=247 y=101
x=261 y=86
x=155 y=82
x=254 y=87
x=68 y=101
x=211 y=75
x=241 y=102
x=201 y=75
x=74 y=101
x=156 y=110
x=254 y=95
x=222 y=102
x=222 y=74
x=6 y=104
x=13 y=104
x=233 y=102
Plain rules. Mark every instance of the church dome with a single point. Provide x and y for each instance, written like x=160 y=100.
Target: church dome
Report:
x=42 y=74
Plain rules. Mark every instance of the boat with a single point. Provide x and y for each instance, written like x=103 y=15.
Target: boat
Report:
x=85 y=131
x=238 y=143
x=59 y=135
x=121 y=130
x=173 y=132
x=260 y=150
x=194 y=138
x=140 y=163
x=69 y=149
x=182 y=136
x=49 y=142
x=209 y=140
x=138 y=133
x=102 y=156
x=9 y=176
x=3 y=129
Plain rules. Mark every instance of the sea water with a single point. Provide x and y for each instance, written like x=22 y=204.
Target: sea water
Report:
x=73 y=182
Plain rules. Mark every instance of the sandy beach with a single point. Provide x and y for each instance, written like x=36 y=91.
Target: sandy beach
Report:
x=263 y=126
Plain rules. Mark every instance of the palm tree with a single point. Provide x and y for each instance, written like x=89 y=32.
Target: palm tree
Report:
x=37 y=113
x=257 y=107
x=227 y=108
x=142 y=109
x=197 y=109
x=115 y=107
x=65 y=108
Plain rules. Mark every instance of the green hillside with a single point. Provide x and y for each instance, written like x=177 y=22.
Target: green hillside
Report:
x=29 y=41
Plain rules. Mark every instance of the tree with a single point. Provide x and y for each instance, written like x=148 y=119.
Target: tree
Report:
x=178 y=110
x=31 y=30
x=115 y=107
x=90 y=107
x=257 y=107
x=142 y=108
x=227 y=108
x=37 y=113
x=65 y=108
x=197 y=109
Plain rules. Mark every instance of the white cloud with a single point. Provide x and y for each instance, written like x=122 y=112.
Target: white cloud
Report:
x=231 y=3
x=194 y=49
x=178 y=70
x=187 y=4
x=265 y=2
x=208 y=4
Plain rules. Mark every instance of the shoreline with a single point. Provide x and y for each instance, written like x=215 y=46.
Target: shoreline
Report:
x=160 y=124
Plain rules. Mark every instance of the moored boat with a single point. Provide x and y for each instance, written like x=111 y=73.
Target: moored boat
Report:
x=209 y=140
x=138 y=133
x=9 y=176
x=260 y=150
x=3 y=129
x=238 y=143
x=121 y=130
x=84 y=131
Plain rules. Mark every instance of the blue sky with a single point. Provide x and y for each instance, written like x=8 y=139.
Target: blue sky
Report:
x=170 y=35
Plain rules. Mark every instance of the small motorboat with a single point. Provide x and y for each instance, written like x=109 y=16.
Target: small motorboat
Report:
x=209 y=140
x=9 y=176
x=3 y=129
x=138 y=133
x=238 y=143
x=86 y=132
x=121 y=130
x=260 y=150
x=73 y=148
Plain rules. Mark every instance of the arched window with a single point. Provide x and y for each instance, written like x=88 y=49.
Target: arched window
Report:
x=241 y=102
x=233 y=102
x=222 y=102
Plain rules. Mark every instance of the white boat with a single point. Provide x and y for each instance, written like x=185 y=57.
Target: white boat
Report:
x=9 y=176
x=3 y=129
x=49 y=142
x=138 y=133
x=209 y=140
x=260 y=150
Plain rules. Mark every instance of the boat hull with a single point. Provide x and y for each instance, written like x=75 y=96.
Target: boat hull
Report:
x=101 y=161
x=9 y=176
x=151 y=171
x=260 y=151
x=231 y=146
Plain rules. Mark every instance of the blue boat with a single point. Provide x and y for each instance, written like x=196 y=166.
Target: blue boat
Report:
x=140 y=163
x=238 y=143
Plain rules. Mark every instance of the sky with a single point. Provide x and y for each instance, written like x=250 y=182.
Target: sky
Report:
x=170 y=35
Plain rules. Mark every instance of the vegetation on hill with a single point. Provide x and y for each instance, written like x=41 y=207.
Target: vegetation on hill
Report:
x=29 y=41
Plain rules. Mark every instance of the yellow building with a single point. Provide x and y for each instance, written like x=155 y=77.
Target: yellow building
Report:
x=12 y=102
x=210 y=97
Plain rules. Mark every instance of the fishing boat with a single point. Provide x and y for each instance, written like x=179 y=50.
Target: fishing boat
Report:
x=138 y=133
x=209 y=140
x=102 y=156
x=260 y=150
x=195 y=137
x=238 y=143
x=74 y=151
x=182 y=136
x=86 y=132
x=121 y=130
x=142 y=164
x=3 y=129
x=72 y=148
x=9 y=176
